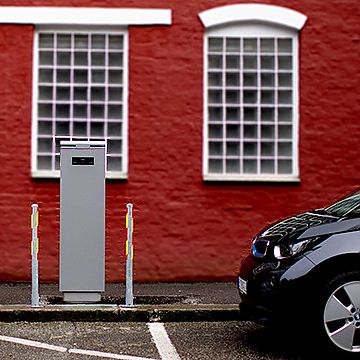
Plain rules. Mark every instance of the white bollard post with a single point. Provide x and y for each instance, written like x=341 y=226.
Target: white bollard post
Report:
x=129 y=298
x=34 y=258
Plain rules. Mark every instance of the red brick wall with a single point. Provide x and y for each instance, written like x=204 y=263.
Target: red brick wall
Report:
x=185 y=229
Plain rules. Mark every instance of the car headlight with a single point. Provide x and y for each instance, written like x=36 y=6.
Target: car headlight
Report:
x=285 y=251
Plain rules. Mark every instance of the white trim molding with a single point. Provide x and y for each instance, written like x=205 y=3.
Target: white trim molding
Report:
x=83 y=16
x=253 y=12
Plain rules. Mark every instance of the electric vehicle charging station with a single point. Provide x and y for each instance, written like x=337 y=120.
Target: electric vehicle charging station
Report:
x=82 y=220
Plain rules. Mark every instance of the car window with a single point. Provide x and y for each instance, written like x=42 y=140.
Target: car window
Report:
x=346 y=206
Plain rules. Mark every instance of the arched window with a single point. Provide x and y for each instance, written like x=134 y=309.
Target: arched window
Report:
x=251 y=93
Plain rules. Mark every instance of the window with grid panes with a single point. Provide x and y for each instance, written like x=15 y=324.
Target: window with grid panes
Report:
x=79 y=94
x=251 y=103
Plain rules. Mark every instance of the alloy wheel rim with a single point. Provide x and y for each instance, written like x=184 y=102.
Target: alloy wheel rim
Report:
x=342 y=316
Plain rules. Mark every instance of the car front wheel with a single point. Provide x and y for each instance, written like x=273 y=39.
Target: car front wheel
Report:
x=341 y=312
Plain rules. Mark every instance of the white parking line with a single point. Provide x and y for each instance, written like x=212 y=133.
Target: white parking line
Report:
x=162 y=341
x=42 y=345
x=33 y=343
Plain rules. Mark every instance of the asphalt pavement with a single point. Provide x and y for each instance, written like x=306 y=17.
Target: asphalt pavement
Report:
x=153 y=302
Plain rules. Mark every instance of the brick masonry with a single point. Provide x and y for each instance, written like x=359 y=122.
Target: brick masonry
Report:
x=185 y=229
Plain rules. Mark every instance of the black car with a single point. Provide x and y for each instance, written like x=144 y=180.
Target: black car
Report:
x=306 y=270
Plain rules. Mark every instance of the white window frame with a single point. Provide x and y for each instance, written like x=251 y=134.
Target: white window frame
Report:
x=258 y=21
x=36 y=173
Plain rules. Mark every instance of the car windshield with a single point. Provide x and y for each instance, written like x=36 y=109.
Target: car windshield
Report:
x=350 y=205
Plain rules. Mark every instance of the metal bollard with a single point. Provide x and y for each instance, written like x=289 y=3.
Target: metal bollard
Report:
x=129 y=298
x=34 y=258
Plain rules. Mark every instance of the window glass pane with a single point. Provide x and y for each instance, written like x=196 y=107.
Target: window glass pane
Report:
x=284 y=166
x=116 y=59
x=232 y=97
x=233 y=148
x=250 y=114
x=232 y=62
x=115 y=111
x=250 y=45
x=232 y=131
x=97 y=129
x=250 y=79
x=284 y=149
x=63 y=58
x=250 y=166
x=215 y=79
x=285 y=62
x=215 y=166
x=267 y=114
x=46 y=41
x=285 y=45
x=250 y=62
x=232 y=166
x=114 y=129
x=98 y=41
x=64 y=41
x=267 y=149
x=81 y=41
x=115 y=93
x=215 y=113
x=267 y=45
x=233 y=45
x=116 y=42
x=215 y=131
x=267 y=62
x=46 y=58
x=114 y=146
x=45 y=92
x=98 y=59
x=285 y=114
x=215 y=62
x=267 y=166
x=250 y=148
x=232 y=113
x=285 y=80
x=46 y=76
x=81 y=58
x=215 y=44
x=215 y=148
x=114 y=163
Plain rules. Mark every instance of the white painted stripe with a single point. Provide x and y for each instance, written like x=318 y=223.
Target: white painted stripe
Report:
x=161 y=339
x=36 y=344
x=41 y=345
x=106 y=355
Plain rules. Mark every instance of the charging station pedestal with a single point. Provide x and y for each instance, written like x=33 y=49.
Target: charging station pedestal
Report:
x=82 y=221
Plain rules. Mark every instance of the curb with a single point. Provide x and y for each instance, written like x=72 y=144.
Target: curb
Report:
x=114 y=313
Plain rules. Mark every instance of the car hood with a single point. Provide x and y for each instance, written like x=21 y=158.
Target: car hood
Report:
x=306 y=225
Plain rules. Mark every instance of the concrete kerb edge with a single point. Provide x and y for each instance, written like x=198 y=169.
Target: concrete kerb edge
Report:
x=121 y=314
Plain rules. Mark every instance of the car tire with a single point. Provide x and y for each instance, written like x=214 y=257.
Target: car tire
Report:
x=339 y=318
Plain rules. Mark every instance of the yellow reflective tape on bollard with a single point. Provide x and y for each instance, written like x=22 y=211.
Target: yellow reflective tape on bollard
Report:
x=31 y=249
x=127 y=248
x=37 y=245
x=32 y=221
x=37 y=218
x=127 y=220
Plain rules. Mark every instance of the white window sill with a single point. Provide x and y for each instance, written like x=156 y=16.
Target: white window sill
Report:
x=56 y=175
x=249 y=178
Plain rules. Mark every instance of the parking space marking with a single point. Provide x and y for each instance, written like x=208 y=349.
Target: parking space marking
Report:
x=162 y=341
x=31 y=343
x=62 y=349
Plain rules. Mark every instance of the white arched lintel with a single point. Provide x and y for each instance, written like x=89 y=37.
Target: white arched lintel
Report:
x=253 y=12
